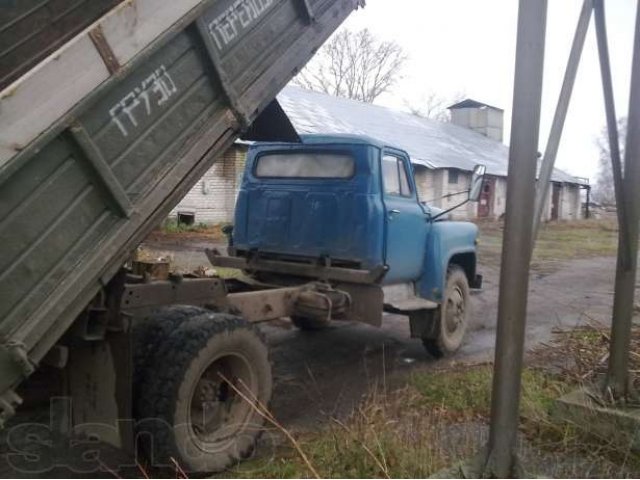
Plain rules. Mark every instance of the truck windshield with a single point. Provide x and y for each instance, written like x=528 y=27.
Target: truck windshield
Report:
x=305 y=165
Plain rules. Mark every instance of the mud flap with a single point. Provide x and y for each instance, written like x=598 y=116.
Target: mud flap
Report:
x=99 y=383
x=366 y=303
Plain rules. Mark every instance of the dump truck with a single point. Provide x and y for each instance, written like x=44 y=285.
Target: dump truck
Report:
x=343 y=212
x=110 y=111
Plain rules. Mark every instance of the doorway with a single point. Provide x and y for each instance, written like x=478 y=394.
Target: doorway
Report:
x=555 y=201
x=485 y=203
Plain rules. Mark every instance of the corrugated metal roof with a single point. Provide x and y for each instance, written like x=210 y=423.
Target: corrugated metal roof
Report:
x=429 y=143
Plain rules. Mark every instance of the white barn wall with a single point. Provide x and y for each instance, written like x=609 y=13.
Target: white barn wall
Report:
x=570 y=205
x=213 y=198
x=499 y=198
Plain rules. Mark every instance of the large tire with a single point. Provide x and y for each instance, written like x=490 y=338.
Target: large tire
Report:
x=452 y=317
x=189 y=412
x=151 y=332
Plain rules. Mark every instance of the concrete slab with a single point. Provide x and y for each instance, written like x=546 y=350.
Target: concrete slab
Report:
x=583 y=409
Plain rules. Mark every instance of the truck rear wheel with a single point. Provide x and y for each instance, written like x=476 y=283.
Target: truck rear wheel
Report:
x=452 y=316
x=152 y=331
x=192 y=411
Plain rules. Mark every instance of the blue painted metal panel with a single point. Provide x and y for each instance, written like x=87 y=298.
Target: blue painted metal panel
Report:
x=445 y=240
x=340 y=218
x=407 y=225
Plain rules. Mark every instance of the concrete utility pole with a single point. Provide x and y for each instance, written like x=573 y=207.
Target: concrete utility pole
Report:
x=517 y=243
x=612 y=128
x=618 y=382
x=553 y=143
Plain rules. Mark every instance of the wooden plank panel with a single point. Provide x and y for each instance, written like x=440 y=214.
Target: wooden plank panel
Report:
x=99 y=122
x=140 y=170
x=29 y=225
x=32 y=29
x=13 y=194
x=262 y=46
x=28 y=108
x=134 y=25
x=35 y=276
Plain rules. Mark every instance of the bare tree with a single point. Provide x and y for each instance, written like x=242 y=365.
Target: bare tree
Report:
x=434 y=106
x=603 y=191
x=354 y=65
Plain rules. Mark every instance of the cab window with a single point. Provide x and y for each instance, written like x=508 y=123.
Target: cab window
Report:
x=395 y=176
x=305 y=165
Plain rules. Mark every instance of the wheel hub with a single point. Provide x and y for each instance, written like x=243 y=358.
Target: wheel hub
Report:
x=215 y=403
x=455 y=312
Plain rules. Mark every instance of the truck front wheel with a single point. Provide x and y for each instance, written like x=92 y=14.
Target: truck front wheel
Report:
x=452 y=316
x=199 y=410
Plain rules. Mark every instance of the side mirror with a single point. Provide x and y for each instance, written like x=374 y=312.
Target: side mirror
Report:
x=476 y=183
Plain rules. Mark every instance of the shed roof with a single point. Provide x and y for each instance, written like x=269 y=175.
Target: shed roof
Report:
x=470 y=103
x=429 y=143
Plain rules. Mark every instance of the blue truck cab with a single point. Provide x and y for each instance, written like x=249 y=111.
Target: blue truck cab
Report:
x=345 y=210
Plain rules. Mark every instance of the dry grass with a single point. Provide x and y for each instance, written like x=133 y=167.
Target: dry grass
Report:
x=580 y=357
x=437 y=419
x=440 y=417
x=558 y=242
x=387 y=436
x=582 y=354
x=172 y=226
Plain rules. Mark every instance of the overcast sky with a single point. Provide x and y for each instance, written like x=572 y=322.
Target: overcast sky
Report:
x=469 y=46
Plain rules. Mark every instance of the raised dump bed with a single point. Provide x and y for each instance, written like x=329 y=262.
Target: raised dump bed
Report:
x=100 y=140
x=32 y=29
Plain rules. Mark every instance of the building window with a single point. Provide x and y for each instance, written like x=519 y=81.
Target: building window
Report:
x=186 y=218
x=453 y=177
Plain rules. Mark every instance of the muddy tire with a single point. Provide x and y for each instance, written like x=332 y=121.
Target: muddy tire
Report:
x=152 y=331
x=309 y=324
x=452 y=318
x=192 y=412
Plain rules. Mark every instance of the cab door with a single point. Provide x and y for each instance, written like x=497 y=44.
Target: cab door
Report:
x=406 y=222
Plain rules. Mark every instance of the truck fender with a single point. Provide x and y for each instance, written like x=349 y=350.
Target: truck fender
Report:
x=448 y=242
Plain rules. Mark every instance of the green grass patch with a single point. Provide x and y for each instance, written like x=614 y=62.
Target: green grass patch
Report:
x=557 y=242
x=466 y=394
x=171 y=225
x=224 y=272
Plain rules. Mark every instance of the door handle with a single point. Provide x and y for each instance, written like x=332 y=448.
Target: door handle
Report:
x=396 y=211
